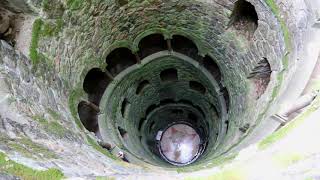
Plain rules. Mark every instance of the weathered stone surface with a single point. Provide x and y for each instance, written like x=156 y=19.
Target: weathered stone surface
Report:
x=39 y=97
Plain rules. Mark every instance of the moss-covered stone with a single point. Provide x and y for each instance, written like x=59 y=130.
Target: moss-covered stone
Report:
x=36 y=31
x=217 y=162
x=285 y=30
x=52 y=127
x=41 y=29
x=75 y=4
x=28 y=148
x=232 y=173
x=74 y=99
x=96 y=146
x=27 y=173
x=51 y=29
x=55 y=115
x=31 y=149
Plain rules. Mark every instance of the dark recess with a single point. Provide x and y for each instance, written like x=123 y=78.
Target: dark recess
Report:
x=260 y=77
x=194 y=85
x=244 y=18
x=151 y=108
x=225 y=94
x=169 y=75
x=88 y=116
x=213 y=68
x=124 y=107
x=122 y=131
x=185 y=46
x=151 y=44
x=120 y=59
x=141 y=86
x=94 y=84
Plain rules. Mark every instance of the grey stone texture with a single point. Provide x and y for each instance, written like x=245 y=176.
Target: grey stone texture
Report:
x=39 y=101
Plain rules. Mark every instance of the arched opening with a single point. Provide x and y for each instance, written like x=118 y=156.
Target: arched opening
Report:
x=225 y=94
x=194 y=85
x=244 y=18
x=94 y=84
x=185 y=46
x=10 y=24
x=88 y=116
x=120 y=59
x=122 y=132
x=213 y=68
x=151 y=44
x=124 y=107
x=140 y=123
x=260 y=77
x=169 y=75
x=227 y=125
x=151 y=108
x=142 y=85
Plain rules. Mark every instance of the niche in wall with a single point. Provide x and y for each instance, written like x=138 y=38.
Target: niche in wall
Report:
x=120 y=59
x=244 y=18
x=260 y=77
x=151 y=44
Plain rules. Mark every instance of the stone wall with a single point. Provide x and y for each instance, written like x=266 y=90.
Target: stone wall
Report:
x=92 y=30
x=39 y=97
x=36 y=127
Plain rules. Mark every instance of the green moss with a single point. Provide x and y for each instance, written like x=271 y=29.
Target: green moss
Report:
x=48 y=30
x=75 y=4
x=53 y=9
x=51 y=29
x=26 y=173
x=105 y=178
x=55 y=115
x=219 y=161
x=287 y=159
x=51 y=127
x=59 y=25
x=27 y=147
x=74 y=98
x=36 y=32
x=315 y=84
x=285 y=31
x=276 y=89
x=31 y=149
x=42 y=29
x=275 y=9
x=57 y=129
x=233 y=173
x=280 y=134
x=46 y=5
x=96 y=146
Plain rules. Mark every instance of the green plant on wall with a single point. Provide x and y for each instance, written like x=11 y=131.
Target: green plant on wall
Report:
x=75 y=4
x=42 y=29
x=36 y=30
